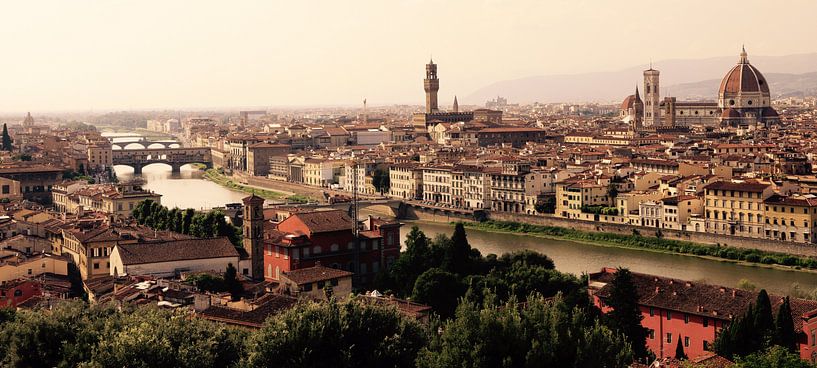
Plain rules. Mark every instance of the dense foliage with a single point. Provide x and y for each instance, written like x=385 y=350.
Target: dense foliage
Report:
x=203 y=225
x=337 y=334
x=543 y=333
x=774 y=357
x=438 y=272
x=757 y=330
x=657 y=243
x=73 y=334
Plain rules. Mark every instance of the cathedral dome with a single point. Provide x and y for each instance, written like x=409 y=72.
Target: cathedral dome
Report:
x=744 y=86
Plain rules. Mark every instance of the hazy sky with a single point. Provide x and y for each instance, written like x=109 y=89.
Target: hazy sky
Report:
x=82 y=55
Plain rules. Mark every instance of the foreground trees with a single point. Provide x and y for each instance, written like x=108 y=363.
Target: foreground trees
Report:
x=337 y=334
x=543 y=333
x=757 y=330
x=74 y=334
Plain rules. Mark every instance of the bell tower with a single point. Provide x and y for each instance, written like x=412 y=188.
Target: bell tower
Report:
x=652 y=98
x=253 y=226
x=432 y=85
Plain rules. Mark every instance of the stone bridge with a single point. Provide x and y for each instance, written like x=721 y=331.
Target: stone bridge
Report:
x=175 y=157
x=145 y=144
x=384 y=207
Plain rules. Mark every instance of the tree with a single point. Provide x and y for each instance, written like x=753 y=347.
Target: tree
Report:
x=776 y=357
x=457 y=256
x=625 y=315
x=6 y=139
x=540 y=333
x=414 y=260
x=763 y=325
x=679 y=350
x=439 y=289
x=345 y=334
x=784 y=327
x=232 y=283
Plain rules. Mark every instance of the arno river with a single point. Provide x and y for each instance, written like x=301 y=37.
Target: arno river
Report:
x=188 y=190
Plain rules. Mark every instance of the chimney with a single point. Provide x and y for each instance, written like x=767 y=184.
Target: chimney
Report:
x=657 y=289
x=689 y=284
x=670 y=281
x=723 y=290
x=201 y=302
x=734 y=293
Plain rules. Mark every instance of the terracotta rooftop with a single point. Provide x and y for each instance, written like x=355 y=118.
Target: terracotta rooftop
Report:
x=315 y=274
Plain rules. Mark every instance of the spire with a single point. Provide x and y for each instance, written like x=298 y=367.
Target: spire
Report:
x=431 y=59
x=456 y=105
x=637 y=97
x=743 y=56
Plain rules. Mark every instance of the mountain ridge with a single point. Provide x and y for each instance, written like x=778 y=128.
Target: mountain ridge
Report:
x=788 y=75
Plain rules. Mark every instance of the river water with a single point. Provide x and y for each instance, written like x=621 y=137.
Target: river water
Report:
x=189 y=190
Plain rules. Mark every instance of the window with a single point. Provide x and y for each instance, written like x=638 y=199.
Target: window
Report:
x=333 y=282
x=652 y=334
x=6 y=189
x=652 y=312
x=686 y=318
x=706 y=321
x=686 y=341
x=669 y=315
x=706 y=345
x=321 y=284
x=96 y=265
x=307 y=287
x=669 y=338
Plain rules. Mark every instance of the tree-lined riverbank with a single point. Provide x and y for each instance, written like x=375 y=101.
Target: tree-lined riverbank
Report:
x=636 y=241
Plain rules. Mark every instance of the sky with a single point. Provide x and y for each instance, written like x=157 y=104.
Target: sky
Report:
x=116 y=55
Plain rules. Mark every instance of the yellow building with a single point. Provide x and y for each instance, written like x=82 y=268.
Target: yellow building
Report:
x=791 y=218
x=736 y=207
x=572 y=196
x=14 y=265
x=114 y=199
x=100 y=156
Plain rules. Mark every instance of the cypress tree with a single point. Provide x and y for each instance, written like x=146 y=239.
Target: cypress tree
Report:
x=457 y=255
x=625 y=316
x=764 y=328
x=679 y=350
x=6 y=139
x=784 y=327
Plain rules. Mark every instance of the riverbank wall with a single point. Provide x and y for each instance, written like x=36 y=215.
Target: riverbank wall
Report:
x=422 y=214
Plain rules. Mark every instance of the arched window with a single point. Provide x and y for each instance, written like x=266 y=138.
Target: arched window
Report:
x=334 y=247
x=316 y=250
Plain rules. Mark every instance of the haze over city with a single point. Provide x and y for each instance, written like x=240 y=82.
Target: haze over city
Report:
x=84 y=55
x=408 y=184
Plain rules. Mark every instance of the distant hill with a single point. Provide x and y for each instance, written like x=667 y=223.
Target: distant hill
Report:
x=780 y=84
x=682 y=78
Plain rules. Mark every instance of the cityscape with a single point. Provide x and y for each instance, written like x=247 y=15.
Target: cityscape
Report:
x=233 y=189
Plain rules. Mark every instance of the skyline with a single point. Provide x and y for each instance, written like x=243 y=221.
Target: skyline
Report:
x=280 y=55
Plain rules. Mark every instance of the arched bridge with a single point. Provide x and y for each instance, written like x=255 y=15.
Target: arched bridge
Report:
x=175 y=157
x=145 y=144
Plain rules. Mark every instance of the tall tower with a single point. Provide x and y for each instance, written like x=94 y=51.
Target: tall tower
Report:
x=638 y=112
x=652 y=98
x=456 y=106
x=254 y=234
x=432 y=85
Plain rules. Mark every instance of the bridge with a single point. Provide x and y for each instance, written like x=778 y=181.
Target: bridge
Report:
x=175 y=157
x=145 y=144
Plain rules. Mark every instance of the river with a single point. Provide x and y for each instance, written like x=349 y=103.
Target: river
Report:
x=189 y=190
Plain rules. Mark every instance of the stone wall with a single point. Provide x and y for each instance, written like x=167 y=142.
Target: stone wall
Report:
x=695 y=237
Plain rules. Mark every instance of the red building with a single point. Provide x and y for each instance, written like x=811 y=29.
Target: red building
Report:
x=304 y=238
x=695 y=313
x=16 y=292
